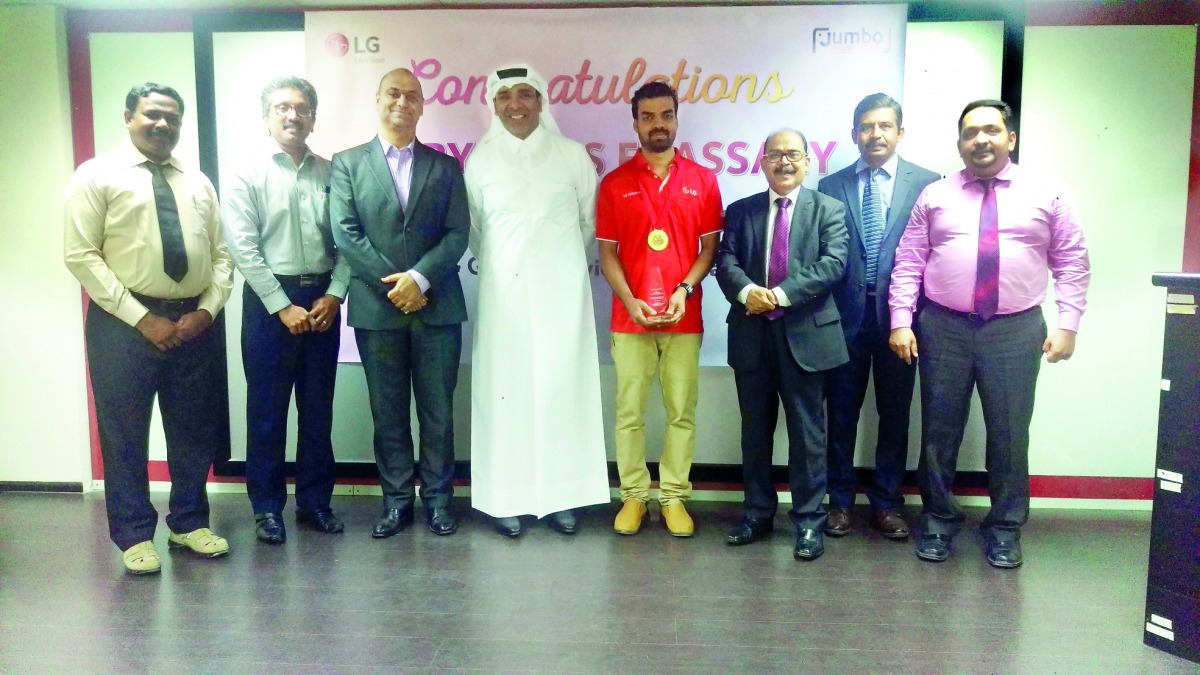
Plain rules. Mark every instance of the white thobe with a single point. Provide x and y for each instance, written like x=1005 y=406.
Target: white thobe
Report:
x=537 y=434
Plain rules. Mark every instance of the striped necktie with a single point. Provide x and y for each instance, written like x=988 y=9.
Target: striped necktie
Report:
x=872 y=215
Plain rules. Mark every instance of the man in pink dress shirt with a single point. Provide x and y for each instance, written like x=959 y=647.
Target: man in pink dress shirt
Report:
x=975 y=253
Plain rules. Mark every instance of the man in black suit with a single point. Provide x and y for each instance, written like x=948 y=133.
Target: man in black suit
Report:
x=782 y=252
x=399 y=216
x=879 y=191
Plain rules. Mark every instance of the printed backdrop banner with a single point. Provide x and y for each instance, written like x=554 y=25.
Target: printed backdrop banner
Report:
x=741 y=73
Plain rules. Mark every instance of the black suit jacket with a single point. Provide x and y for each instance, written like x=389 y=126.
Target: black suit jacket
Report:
x=379 y=238
x=817 y=240
x=850 y=293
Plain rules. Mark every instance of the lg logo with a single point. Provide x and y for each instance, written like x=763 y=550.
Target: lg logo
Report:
x=690 y=191
x=339 y=45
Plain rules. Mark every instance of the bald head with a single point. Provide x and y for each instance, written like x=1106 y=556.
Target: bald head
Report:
x=400 y=102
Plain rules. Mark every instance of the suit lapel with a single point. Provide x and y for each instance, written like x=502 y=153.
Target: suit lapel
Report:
x=850 y=196
x=799 y=232
x=900 y=188
x=758 y=238
x=378 y=166
x=422 y=163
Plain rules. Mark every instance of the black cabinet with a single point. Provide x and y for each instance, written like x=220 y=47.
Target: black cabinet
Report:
x=1173 y=584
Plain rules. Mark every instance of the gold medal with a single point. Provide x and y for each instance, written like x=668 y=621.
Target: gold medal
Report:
x=657 y=240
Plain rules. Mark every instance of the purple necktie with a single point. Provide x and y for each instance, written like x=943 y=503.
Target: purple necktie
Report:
x=777 y=267
x=987 y=263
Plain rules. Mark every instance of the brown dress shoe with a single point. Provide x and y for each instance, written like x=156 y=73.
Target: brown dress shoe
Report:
x=837 y=523
x=890 y=524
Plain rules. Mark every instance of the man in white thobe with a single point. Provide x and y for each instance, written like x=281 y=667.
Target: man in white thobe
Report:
x=537 y=436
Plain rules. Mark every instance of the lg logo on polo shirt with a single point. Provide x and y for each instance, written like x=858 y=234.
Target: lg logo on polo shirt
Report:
x=690 y=191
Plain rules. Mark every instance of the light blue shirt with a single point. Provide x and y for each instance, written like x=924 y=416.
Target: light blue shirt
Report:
x=885 y=180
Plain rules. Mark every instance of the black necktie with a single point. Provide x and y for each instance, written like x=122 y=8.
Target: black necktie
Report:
x=175 y=262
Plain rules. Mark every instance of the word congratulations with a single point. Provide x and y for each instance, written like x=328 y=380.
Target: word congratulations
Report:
x=737 y=158
x=584 y=87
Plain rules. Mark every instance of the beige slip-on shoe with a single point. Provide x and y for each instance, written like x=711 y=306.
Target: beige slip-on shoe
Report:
x=629 y=519
x=141 y=559
x=678 y=522
x=201 y=542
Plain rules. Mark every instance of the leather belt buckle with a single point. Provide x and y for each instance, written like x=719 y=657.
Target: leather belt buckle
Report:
x=309 y=280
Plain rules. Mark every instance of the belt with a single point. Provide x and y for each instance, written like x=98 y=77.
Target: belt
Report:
x=168 y=306
x=975 y=318
x=305 y=280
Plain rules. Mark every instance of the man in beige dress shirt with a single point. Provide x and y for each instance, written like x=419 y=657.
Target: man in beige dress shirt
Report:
x=142 y=235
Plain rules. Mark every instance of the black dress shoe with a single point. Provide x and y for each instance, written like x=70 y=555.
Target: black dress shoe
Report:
x=810 y=544
x=837 y=523
x=562 y=521
x=441 y=520
x=270 y=528
x=321 y=520
x=1004 y=554
x=509 y=527
x=749 y=530
x=392 y=521
x=933 y=547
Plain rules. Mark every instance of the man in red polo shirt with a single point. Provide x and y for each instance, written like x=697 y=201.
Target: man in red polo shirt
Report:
x=657 y=220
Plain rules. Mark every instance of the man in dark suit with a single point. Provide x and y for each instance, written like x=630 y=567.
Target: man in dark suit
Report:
x=399 y=216
x=879 y=191
x=782 y=252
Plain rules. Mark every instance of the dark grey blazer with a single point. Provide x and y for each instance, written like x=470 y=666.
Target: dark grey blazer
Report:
x=817 y=241
x=379 y=238
x=850 y=293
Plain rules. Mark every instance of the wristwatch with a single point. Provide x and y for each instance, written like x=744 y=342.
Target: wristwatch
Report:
x=688 y=288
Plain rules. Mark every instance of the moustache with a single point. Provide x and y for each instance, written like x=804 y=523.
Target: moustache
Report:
x=785 y=171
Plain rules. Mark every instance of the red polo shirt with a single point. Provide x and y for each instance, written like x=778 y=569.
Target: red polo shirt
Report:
x=632 y=201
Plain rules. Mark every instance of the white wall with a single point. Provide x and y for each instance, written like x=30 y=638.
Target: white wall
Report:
x=43 y=401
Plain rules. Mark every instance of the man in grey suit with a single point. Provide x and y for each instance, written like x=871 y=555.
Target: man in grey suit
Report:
x=399 y=215
x=879 y=191
x=782 y=252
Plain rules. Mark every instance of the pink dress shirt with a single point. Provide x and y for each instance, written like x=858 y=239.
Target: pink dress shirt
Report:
x=1038 y=231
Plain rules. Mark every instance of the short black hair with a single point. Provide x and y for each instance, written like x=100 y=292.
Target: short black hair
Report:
x=879 y=100
x=1006 y=112
x=141 y=91
x=655 y=89
x=289 y=82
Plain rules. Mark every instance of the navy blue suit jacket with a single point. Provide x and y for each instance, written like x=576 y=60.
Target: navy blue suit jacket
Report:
x=850 y=293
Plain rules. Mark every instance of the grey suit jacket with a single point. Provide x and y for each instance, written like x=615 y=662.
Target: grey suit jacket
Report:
x=850 y=293
x=817 y=241
x=379 y=238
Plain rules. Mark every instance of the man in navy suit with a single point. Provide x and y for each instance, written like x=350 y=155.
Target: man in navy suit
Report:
x=399 y=214
x=879 y=191
x=782 y=252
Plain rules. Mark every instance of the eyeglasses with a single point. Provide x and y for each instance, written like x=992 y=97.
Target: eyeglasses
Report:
x=283 y=109
x=776 y=156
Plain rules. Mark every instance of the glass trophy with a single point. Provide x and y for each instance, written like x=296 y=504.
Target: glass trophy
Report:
x=657 y=297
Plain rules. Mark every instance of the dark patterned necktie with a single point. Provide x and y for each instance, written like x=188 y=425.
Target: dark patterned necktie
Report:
x=872 y=215
x=777 y=267
x=987 y=263
x=175 y=262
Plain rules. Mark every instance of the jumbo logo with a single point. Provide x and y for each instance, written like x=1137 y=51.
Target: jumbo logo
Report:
x=862 y=40
x=339 y=45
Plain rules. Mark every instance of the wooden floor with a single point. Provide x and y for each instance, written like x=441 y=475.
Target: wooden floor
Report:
x=595 y=602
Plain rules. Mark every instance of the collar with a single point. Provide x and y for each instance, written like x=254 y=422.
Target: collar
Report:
x=643 y=164
x=272 y=150
x=889 y=167
x=791 y=195
x=131 y=156
x=1006 y=175
x=388 y=146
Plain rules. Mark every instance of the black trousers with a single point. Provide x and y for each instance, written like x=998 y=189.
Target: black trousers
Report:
x=846 y=390
x=275 y=362
x=422 y=360
x=1001 y=357
x=776 y=379
x=127 y=373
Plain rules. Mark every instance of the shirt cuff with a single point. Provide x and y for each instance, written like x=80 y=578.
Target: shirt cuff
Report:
x=1068 y=320
x=422 y=282
x=277 y=301
x=337 y=288
x=781 y=298
x=744 y=293
x=901 y=318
